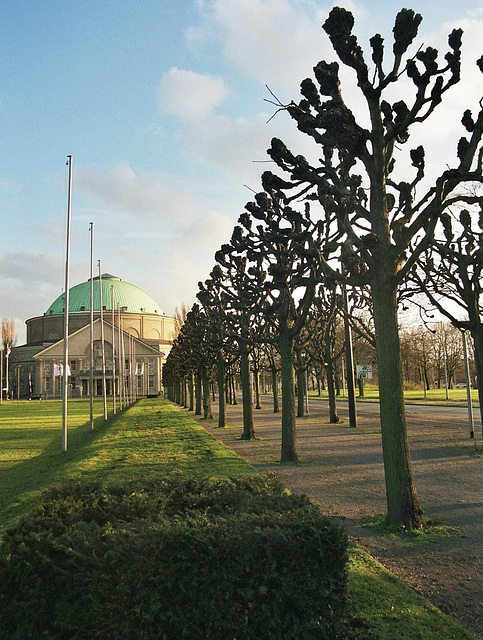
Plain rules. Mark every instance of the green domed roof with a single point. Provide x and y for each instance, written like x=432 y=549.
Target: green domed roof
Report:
x=127 y=297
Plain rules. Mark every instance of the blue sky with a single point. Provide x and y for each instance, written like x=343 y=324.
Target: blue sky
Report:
x=162 y=104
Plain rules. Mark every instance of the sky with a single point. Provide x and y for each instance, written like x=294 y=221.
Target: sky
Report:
x=164 y=106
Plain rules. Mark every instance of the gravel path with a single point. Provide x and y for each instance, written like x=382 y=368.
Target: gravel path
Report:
x=341 y=470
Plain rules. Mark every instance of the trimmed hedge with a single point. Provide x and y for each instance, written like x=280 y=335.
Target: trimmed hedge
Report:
x=219 y=560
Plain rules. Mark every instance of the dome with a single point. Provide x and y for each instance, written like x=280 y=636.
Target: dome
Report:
x=127 y=297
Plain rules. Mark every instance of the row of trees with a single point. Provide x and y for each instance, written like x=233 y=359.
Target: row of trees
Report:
x=350 y=221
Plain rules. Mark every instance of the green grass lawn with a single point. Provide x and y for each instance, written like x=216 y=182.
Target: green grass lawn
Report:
x=150 y=438
x=437 y=396
x=153 y=437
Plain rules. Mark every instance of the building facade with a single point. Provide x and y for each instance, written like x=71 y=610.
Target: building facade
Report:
x=131 y=337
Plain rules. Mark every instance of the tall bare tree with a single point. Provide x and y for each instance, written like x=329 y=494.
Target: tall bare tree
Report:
x=9 y=336
x=450 y=274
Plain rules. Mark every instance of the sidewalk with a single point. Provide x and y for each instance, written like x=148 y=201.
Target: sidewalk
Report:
x=341 y=470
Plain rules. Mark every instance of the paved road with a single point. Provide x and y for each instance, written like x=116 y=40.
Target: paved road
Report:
x=433 y=414
x=342 y=470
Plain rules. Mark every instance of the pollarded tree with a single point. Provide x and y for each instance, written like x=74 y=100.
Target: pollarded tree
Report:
x=372 y=219
x=221 y=344
x=282 y=246
x=196 y=329
x=325 y=348
x=273 y=363
x=229 y=293
x=450 y=274
x=192 y=354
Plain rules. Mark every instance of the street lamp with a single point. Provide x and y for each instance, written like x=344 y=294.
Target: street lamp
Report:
x=468 y=385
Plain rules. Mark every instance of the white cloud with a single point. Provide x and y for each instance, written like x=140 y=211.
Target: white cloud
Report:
x=9 y=186
x=124 y=191
x=190 y=95
x=276 y=42
x=152 y=232
x=439 y=134
x=30 y=283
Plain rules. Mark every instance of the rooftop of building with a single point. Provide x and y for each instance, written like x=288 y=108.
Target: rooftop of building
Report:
x=115 y=293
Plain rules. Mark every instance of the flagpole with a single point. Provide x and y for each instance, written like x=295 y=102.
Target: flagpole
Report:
x=1 y=371
x=113 y=389
x=104 y=398
x=91 y=334
x=7 y=355
x=120 y=359
x=66 y=314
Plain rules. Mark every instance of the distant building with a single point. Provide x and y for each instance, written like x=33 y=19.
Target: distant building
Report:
x=137 y=339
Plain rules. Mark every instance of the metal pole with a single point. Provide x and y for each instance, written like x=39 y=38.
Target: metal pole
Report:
x=131 y=373
x=66 y=315
x=113 y=388
x=351 y=395
x=120 y=357
x=104 y=396
x=133 y=369
x=468 y=385
x=91 y=333
x=343 y=377
x=1 y=371
x=445 y=360
x=7 y=359
x=306 y=391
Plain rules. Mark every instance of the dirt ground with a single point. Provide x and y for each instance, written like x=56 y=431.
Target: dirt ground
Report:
x=341 y=470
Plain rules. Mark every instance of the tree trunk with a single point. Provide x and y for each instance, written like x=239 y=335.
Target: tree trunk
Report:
x=273 y=371
x=426 y=381
x=289 y=444
x=191 y=388
x=221 y=373
x=207 y=413
x=248 y=430
x=333 y=416
x=185 y=393
x=198 y=395
x=256 y=380
x=403 y=505
x=233 y=399
x=301 y=390
x=477 y=335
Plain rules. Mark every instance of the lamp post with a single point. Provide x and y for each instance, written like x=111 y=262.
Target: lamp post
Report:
x=349 y=355
x=468 y=385
x=445 y=360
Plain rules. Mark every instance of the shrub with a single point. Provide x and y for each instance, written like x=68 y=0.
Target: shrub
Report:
x=230 y=559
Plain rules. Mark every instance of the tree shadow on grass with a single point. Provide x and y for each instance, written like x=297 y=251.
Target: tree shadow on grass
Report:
x=22 y=482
